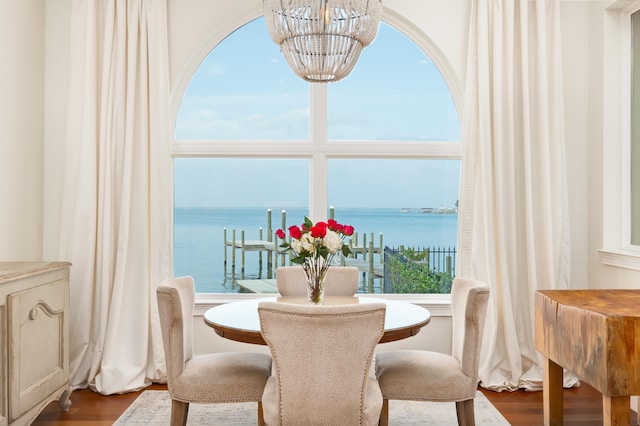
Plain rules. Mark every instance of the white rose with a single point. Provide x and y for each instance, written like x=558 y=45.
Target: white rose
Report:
x=308 y=243
x=332 y=241
x=296 y=246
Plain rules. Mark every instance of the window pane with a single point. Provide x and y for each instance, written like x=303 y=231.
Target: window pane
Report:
x=635 y=130
x=395 y=92
x=211 y=194
x=401 y=204
x=396 y=203
x=244 y=89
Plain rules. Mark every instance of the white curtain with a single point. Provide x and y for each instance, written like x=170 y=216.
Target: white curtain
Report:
x=514 y=212
x=115 y=224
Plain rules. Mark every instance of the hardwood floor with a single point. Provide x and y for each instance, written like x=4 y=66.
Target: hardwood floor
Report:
x=582 y=406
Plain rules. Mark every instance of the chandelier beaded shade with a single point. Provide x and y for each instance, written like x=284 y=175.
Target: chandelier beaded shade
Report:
x=322 y=39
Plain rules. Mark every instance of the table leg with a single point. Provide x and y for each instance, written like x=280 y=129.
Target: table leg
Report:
x=616 y=410
x=552 y=393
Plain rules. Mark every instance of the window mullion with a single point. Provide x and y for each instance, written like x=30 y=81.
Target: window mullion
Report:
x=318 y=167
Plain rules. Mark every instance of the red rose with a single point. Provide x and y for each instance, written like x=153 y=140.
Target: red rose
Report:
x=319 y=230
x=333 y=225
x=348 y=230
x=295 y=232
x=280 y=234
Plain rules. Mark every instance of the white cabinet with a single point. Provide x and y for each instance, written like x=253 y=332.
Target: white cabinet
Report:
x=34 y=355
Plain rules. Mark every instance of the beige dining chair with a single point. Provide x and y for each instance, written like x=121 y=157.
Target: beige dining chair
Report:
x=211 y=378
x=340 y=281
x=420 y=375
x=322 y=360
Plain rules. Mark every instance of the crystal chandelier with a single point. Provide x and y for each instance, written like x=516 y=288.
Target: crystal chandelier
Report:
x=322 y=39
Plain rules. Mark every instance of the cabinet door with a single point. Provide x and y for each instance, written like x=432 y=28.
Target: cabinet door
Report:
x=37 y=331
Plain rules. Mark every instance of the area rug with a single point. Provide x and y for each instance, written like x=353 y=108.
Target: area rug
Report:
x=153 y=407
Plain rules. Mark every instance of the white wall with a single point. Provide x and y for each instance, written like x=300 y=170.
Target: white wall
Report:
x=22 y=43
x=55 y=105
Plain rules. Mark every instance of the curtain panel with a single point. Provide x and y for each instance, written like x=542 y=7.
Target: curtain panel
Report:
x=116 y=226
x=514 y=227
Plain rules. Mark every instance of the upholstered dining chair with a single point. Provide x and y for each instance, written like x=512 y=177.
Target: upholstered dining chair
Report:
x=340 y=281
x=322 y=361
x=419 y=375
x=211 y=378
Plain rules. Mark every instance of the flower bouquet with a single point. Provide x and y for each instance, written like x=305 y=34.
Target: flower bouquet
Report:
x=313 y=246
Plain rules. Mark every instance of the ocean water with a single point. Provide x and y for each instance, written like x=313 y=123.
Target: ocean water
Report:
x=199 y=246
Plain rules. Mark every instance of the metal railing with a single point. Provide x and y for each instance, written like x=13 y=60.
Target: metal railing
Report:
x=422 y=270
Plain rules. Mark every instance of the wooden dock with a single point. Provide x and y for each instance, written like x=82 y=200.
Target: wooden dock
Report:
x=363 y=251
x=252 y=245
x=269 y=246
x=259 y=286
x=368 y=268
x=375 y=268
x=360 y=246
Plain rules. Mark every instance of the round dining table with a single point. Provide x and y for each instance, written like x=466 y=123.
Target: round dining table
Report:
x=239 y=321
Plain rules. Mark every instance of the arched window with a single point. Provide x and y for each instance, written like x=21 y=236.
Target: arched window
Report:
x=256 y=148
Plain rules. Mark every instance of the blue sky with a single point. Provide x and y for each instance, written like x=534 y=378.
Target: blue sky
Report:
x=277 y=183
x=394 y=93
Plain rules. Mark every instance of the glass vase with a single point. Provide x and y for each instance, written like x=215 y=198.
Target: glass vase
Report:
x=315 y=289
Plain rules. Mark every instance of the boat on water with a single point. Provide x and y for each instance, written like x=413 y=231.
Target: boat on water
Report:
x=405 y=210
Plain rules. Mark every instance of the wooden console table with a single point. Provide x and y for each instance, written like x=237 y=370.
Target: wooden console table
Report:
x=596 y=335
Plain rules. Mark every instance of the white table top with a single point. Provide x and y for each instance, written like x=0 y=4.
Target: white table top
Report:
x=239 y=320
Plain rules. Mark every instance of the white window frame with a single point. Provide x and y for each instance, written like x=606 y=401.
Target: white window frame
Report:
x=617 y=249
x=319 y=150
